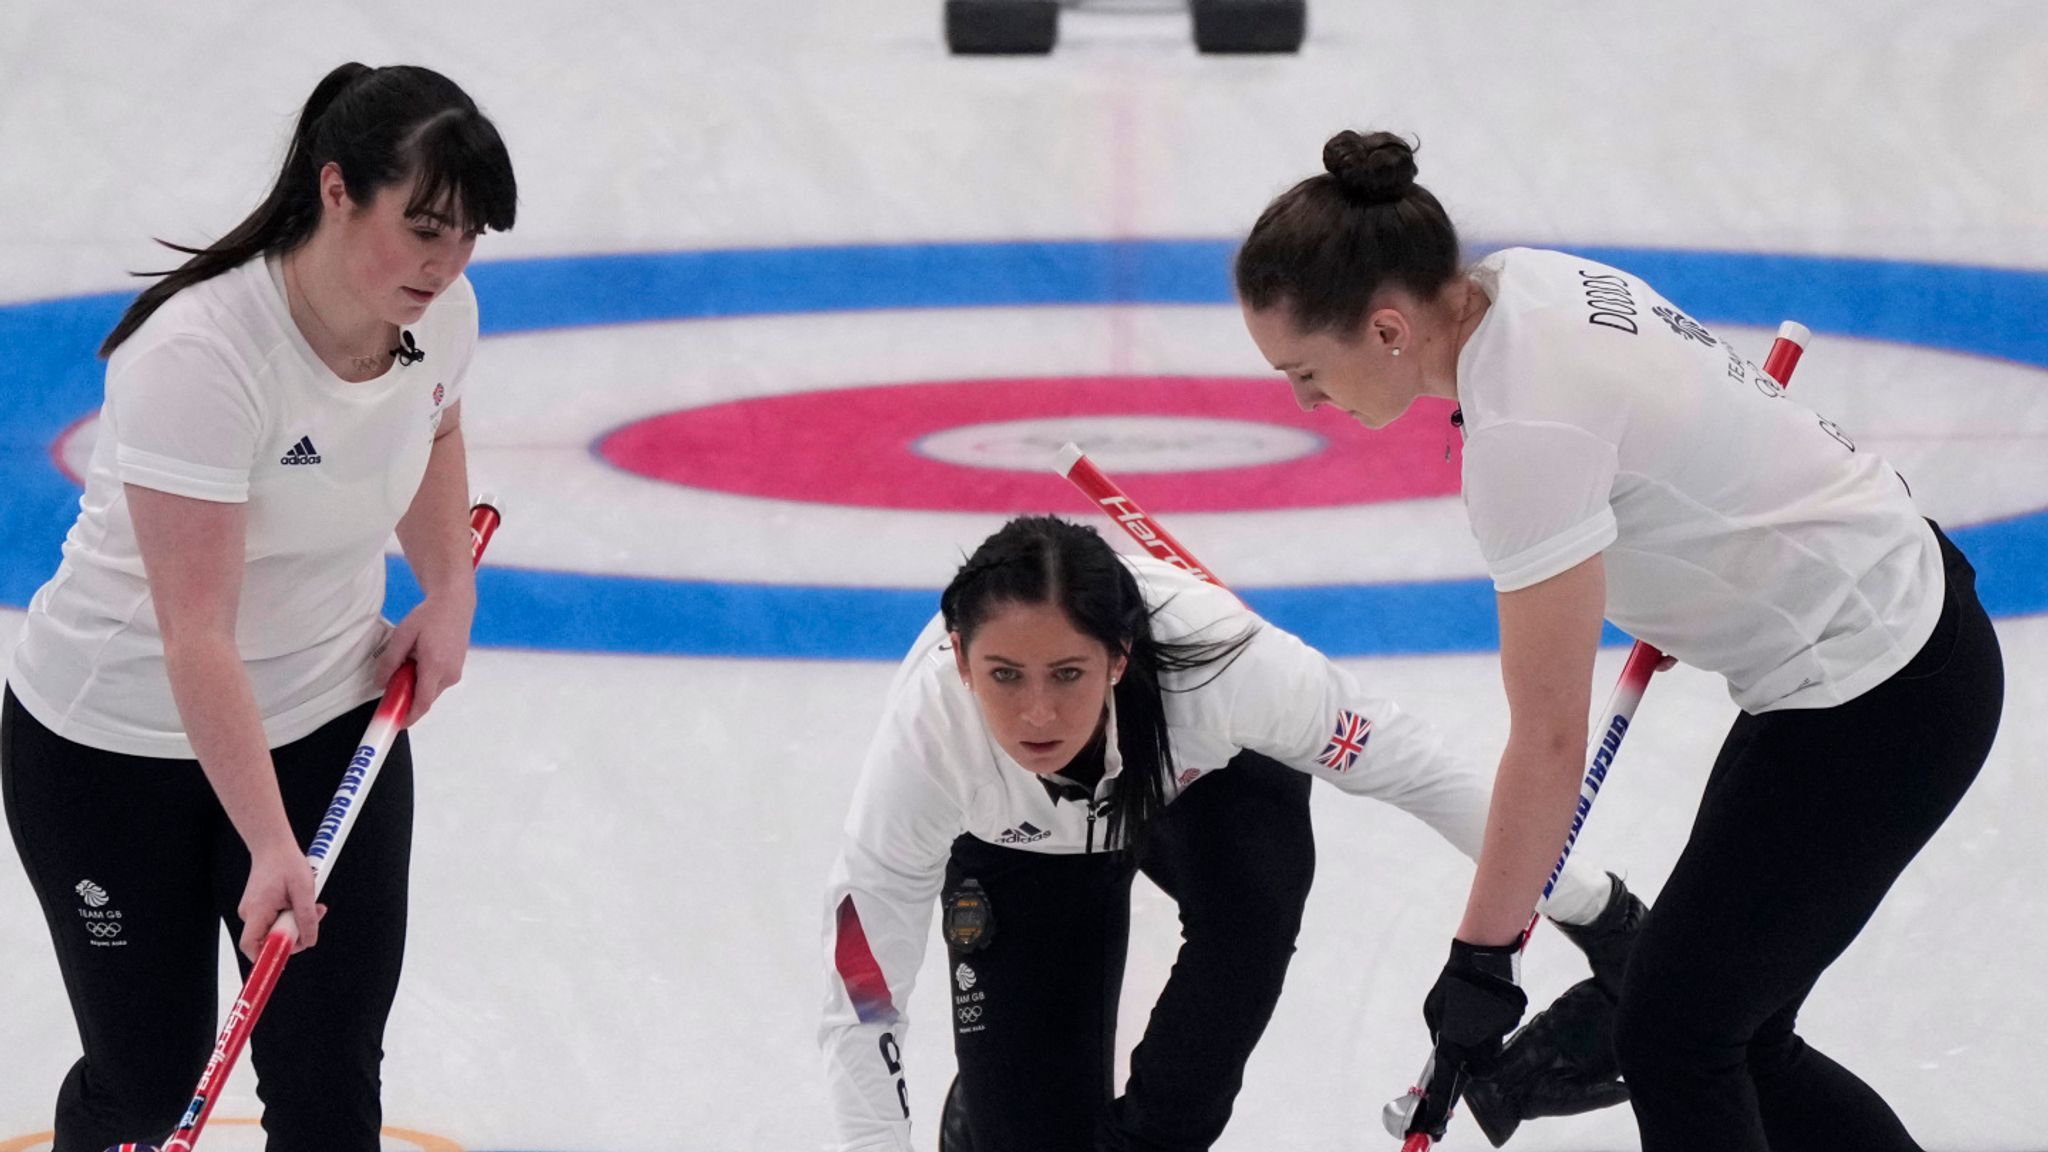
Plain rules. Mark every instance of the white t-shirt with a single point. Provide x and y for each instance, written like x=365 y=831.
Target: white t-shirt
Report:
x=1741 y=532
x=934 y=771
x=219 y=397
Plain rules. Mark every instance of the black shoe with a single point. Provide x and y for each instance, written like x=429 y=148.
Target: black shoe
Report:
x=1607 y=940
x=1560 y=1063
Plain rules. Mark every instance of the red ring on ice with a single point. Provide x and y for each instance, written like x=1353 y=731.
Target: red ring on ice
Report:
x=856 y=446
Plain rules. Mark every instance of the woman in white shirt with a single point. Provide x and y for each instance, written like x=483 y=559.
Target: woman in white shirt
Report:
x=1621 y=461
x=189 y=687
x=1071 y=716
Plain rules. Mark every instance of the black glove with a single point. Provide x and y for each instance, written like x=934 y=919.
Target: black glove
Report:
x=1561 y=1064
x=1474 y=1004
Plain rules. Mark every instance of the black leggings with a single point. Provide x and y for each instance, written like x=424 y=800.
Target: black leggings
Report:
x=137 y=867
x=1035 y=1011
x=1808 y=818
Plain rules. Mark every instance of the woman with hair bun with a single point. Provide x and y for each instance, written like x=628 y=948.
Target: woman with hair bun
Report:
x=1621 y=461
x=1070 y=717
x=190 y=686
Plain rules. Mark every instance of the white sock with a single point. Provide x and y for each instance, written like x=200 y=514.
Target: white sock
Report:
x=1580 y=896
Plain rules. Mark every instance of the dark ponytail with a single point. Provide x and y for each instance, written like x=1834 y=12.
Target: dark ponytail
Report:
x=382 y=126
x=1046 y=560
x=1328 y=245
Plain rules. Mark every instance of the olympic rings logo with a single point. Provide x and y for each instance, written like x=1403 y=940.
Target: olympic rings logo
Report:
x=970 y=1014
x=104 y=929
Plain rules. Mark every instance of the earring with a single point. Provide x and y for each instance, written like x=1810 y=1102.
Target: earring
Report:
x=1397 y=351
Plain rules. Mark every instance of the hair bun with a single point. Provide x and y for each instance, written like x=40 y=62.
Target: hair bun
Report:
x=1378 y=168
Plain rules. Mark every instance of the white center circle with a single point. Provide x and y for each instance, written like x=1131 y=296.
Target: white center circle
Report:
x=1121 y=444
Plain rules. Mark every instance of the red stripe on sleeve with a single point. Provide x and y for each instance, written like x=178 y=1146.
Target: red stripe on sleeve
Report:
x=865 y=984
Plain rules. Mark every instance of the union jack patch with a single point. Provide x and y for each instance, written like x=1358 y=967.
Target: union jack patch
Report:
x=1346 y=742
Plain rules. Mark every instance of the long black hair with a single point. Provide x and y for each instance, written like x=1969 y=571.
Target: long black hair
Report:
x=1326 y=246
x=382 y=126
x=1046 y=560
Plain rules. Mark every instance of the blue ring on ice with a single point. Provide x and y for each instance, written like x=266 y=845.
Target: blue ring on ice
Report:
x=49 y=378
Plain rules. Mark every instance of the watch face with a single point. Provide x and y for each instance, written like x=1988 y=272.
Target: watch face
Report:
x=967 y=924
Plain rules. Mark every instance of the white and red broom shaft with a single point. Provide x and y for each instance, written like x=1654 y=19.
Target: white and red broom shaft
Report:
x=1644 y=658
x=1155 y=540
x=334 y=828
x=1621 y=710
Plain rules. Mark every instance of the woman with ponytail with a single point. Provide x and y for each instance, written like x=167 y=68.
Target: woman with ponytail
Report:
x=1622 y=461
x=1070 y=717
x=188 y=688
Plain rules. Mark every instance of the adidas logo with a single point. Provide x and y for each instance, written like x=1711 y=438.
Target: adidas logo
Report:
x=1025 y=833
x=301 y=453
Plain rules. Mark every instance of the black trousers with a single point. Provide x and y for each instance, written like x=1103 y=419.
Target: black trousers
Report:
x=1808 y=818
x=1035 y=1012
x=137 y=868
